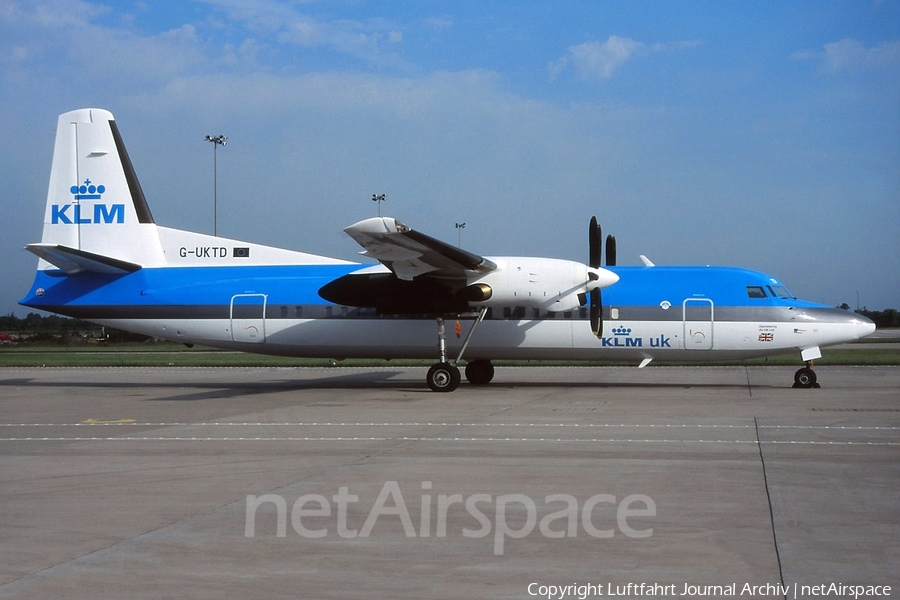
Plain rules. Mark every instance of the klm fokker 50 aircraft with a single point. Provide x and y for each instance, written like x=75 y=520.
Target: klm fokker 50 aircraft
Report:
x=104 y=259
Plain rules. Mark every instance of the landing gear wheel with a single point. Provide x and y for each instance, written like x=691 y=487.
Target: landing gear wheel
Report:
x=805 y=378
x=480 y=372
x=443 y=377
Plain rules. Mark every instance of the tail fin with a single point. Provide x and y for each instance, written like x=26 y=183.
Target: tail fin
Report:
x=96 y=217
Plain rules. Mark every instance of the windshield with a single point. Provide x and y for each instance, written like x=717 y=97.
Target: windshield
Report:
x=781 y=292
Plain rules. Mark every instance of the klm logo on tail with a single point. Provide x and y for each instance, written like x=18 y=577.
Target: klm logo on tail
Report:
x=82 y=214
x=87 y=191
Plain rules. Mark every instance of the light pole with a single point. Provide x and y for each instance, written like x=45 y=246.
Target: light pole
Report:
x=218 y=140
x=459 y=228
x=379 y=198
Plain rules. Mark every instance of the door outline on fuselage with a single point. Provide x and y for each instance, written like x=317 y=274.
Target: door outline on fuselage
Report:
x=698 y=325
x=248 y=318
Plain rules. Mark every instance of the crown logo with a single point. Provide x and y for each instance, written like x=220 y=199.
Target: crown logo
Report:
x=621 y=331
x=87 y=191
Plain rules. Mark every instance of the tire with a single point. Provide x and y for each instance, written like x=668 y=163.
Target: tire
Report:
x=479 y=372
x=443 y=377
x=805 y=378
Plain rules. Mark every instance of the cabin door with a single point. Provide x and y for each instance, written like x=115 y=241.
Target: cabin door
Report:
x=248 y=318
x=698 y=323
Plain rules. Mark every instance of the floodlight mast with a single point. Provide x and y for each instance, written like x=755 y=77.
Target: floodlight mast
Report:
x=217 y=140
x=379 y=198
x=459 y=228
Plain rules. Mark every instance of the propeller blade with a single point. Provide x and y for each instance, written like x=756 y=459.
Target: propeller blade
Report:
x=594 y=261
x=610 y=251
x=594 y=235
x=597 y=276
x=596 y=313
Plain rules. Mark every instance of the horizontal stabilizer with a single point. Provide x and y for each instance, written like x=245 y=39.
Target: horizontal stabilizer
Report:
x=647 y=262
x=74 y=261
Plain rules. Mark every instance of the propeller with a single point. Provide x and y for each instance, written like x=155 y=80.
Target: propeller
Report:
x=595 y=260
x=594 y=235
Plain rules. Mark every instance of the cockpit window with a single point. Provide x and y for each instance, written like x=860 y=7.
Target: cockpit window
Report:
x=756 y=291
x=781 y=292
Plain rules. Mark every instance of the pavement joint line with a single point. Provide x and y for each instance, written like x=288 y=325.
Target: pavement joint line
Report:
x=414 y=424
x=426 y=439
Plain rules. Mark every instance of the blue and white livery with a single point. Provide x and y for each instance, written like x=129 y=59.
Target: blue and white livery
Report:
x=104 y=259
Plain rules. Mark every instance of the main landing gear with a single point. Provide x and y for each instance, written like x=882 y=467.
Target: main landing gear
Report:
x=444 y=376
x=805 y=377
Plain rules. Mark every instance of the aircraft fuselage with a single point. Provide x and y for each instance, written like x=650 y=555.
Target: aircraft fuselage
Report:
x=665 y=313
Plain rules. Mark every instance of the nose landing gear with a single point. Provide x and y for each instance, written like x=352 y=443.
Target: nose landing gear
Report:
x=805 y=377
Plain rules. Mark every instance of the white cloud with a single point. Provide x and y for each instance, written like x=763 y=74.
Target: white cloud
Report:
x=303 y=32
x=279 y=95
x=365 y=39
x=444 y=22
x=49 y=13
x=600 y=60
x=597 y=61
x=51 y=40
x=850 y=54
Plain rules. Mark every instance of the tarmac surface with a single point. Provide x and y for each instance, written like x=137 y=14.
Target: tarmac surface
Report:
x=361 y=483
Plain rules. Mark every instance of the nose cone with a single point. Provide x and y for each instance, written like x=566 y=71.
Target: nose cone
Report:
x=829 y=326
x=600 y=278
x=864 y=326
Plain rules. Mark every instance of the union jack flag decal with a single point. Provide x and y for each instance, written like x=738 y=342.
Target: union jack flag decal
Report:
x=767 y=337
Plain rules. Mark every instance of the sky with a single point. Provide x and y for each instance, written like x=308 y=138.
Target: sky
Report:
x=764 y=135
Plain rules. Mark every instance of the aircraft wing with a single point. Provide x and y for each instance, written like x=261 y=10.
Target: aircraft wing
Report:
x=408 y=253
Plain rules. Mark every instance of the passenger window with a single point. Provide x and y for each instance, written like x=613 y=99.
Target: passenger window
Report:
x=756 y=291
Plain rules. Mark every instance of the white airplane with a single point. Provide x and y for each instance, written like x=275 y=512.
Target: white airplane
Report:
x=104 y=259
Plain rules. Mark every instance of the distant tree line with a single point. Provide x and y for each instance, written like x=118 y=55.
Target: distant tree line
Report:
x=45 y=328
x=881 y=318
x=40 y=323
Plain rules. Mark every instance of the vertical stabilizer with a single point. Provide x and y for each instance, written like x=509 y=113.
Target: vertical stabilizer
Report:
x=95 y=203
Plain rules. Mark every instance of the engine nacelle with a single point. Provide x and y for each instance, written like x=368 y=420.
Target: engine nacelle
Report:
x=477 y=294
x=545 y=283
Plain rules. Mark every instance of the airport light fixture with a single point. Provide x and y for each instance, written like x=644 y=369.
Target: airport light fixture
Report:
x=379 y=198
x=217 y=140
x=459 y=228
